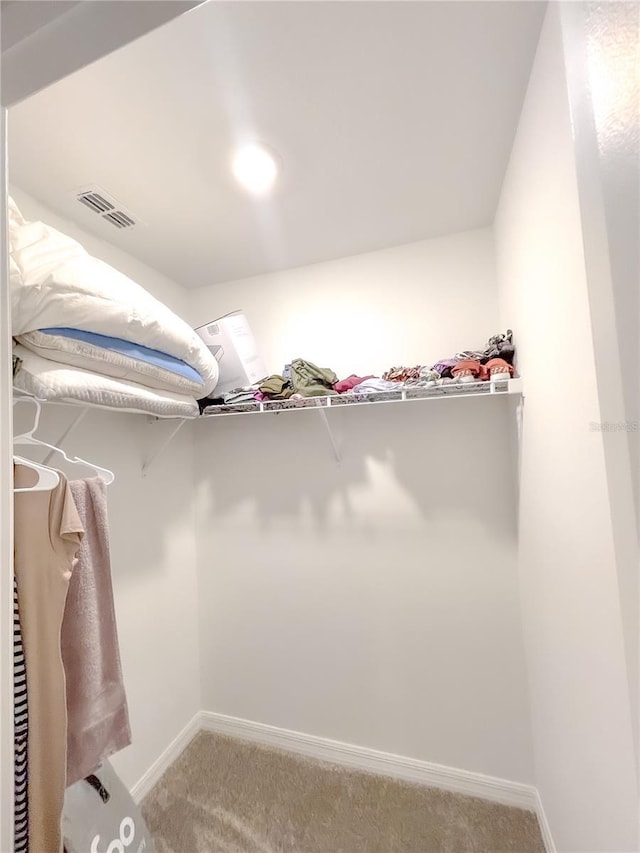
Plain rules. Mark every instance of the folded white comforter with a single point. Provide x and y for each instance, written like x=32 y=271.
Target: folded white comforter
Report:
x=56 y=283
x=60 y=383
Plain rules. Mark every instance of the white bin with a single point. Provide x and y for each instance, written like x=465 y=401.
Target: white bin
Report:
x=232 y=344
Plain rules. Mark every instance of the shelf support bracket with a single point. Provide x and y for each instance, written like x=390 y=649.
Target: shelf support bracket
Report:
x=72 y=426
x=332 y=439
x=164 y=444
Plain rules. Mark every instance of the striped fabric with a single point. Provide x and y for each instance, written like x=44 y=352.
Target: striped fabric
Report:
x=21 y=805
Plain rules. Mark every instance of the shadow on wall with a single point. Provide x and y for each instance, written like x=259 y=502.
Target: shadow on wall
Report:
x=150 y=518
x=449 y=457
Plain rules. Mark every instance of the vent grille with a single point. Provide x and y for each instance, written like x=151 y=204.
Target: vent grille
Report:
x=119 y=219
x=94 y=201
x=104 y=205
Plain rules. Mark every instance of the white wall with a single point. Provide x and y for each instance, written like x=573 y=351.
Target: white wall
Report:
x=605 y=107
x=582 y=726
x=364 y=313
x=152 y=542
x=374 y=601
x=611 y=34
x=163 y=288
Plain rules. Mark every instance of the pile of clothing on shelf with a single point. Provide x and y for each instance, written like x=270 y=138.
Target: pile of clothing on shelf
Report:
x=495 y=361
x=84 y=332
x=302 y=379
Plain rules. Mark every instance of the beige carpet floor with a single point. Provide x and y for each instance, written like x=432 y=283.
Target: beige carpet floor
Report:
x=227 y=796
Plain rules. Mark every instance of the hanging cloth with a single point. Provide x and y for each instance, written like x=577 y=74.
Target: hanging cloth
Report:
x=47 y=535
x=98 y=720
x=20 y=736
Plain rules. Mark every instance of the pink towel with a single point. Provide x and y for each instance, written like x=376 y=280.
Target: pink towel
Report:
x=97 y=716
x=349 y=383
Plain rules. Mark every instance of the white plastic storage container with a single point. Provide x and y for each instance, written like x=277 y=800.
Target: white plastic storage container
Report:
x=232 y=344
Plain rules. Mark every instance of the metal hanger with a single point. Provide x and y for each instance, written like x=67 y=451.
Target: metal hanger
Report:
x=29 y=439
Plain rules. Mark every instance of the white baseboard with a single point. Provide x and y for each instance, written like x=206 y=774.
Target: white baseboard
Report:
x=357 y=757
x=371 y=760
x=164 y=761
x=545 y=829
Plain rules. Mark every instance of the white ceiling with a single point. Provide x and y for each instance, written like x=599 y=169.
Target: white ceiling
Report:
x=393 y=122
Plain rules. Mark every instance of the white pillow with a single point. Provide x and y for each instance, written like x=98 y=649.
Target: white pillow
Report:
x=56 y=283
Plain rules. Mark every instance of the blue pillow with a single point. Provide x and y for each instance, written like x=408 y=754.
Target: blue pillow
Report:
x=134 y=351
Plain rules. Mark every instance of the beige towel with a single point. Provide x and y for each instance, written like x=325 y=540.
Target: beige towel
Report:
x=97 y=716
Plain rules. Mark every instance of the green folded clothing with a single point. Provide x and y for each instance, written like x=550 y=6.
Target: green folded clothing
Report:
x=312 y=381
x=276 y=387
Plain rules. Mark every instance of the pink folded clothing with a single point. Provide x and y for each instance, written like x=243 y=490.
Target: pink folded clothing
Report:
x=97 y=716
x=496 y=367
x=349 y=383
x=467 y=367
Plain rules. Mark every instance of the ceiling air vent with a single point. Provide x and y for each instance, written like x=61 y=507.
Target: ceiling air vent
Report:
x=94 y=201
x=105 y=206
x=119 y=219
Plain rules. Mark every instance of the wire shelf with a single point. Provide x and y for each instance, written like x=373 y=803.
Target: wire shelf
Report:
x=458 y=390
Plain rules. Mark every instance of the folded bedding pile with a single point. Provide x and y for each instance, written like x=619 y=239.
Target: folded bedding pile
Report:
x=86 y=333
